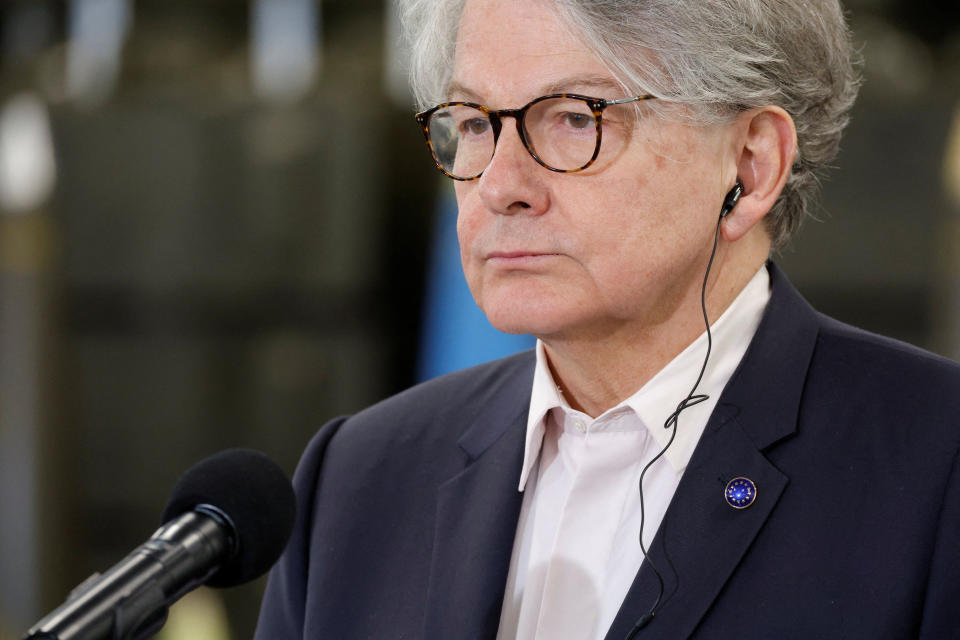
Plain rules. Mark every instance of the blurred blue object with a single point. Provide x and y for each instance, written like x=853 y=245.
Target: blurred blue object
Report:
x=455 y=333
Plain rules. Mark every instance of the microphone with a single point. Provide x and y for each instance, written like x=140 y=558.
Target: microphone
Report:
x=228 y=520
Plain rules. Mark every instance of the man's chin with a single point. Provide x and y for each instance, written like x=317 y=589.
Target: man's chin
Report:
x=510 y=325
x=527 y=307
x=526 y=321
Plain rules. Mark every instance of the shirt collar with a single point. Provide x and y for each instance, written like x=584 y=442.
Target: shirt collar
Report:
x=659 y=397
x=543 y=397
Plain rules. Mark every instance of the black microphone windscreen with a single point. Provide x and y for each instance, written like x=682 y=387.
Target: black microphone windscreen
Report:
x=255 y=493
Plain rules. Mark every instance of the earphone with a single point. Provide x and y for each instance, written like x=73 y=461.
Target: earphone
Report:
x=729 y=202
x=733 y=196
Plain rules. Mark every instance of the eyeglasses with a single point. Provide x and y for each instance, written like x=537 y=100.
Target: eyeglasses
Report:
x=561 y=131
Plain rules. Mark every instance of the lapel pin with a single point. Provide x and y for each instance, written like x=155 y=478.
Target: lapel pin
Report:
x=740 y=493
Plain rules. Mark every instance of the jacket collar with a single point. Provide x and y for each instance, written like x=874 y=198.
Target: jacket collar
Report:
x=478 y=508
x=702 y=540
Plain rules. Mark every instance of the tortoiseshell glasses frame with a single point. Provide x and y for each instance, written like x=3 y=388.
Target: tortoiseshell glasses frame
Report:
x=495 y=118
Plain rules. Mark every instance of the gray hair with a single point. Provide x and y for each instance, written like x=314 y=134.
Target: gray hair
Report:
x=717 y=57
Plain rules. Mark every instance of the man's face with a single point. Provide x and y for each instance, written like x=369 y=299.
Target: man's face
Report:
x=581 y=255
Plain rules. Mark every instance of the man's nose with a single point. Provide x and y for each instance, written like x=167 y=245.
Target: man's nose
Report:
x=513 y=182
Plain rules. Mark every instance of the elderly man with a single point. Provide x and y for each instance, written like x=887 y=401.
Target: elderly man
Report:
x=691 y=451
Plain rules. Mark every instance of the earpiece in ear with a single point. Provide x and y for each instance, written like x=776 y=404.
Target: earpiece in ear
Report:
x=733 y=196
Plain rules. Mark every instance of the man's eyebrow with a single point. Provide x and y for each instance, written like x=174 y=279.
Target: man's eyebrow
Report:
x=601 y=84
x=460 y=92
x=573 y=84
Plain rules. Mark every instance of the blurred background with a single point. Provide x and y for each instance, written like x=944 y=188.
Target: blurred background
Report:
x=219 y=227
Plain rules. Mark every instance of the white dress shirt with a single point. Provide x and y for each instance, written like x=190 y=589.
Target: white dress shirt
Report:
x=576 y=551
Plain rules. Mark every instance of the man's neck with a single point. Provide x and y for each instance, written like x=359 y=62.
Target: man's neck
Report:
x=598 y=374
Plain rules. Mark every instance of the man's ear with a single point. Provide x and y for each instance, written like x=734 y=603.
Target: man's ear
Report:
x=766 y=146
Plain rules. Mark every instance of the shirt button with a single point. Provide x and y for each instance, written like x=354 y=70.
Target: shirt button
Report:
x=580 y=425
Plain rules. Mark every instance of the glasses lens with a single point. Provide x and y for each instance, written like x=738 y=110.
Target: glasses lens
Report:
x=562 y=132
x=462 y=140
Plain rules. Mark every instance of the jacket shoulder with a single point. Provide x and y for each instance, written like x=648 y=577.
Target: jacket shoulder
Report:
x=475 y=384
x=887 y=387
x=885 y=359
x=439 y=410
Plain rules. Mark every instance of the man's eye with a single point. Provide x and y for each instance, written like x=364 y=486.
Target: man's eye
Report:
x=474 y=126
x=577 y=120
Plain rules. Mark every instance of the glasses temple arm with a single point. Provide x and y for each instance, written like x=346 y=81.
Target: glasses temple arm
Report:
x=607 y=103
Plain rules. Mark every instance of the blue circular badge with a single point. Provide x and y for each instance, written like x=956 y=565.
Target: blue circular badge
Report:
x=740 y=493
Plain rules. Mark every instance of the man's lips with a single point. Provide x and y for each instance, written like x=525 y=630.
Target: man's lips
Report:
x=519 y=258
x=521 y=253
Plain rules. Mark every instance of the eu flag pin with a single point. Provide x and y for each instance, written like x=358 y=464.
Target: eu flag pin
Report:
x=740 y=493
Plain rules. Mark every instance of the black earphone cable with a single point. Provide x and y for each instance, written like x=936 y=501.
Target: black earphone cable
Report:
x=671 y=423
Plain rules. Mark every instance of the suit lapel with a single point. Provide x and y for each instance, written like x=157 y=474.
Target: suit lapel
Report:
x=476 y=520
x=702 y=539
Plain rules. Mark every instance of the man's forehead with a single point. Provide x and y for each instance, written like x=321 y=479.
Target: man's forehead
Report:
x=512 y=51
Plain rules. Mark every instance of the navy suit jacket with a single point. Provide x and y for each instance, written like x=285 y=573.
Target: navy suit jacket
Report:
x=408 y=510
